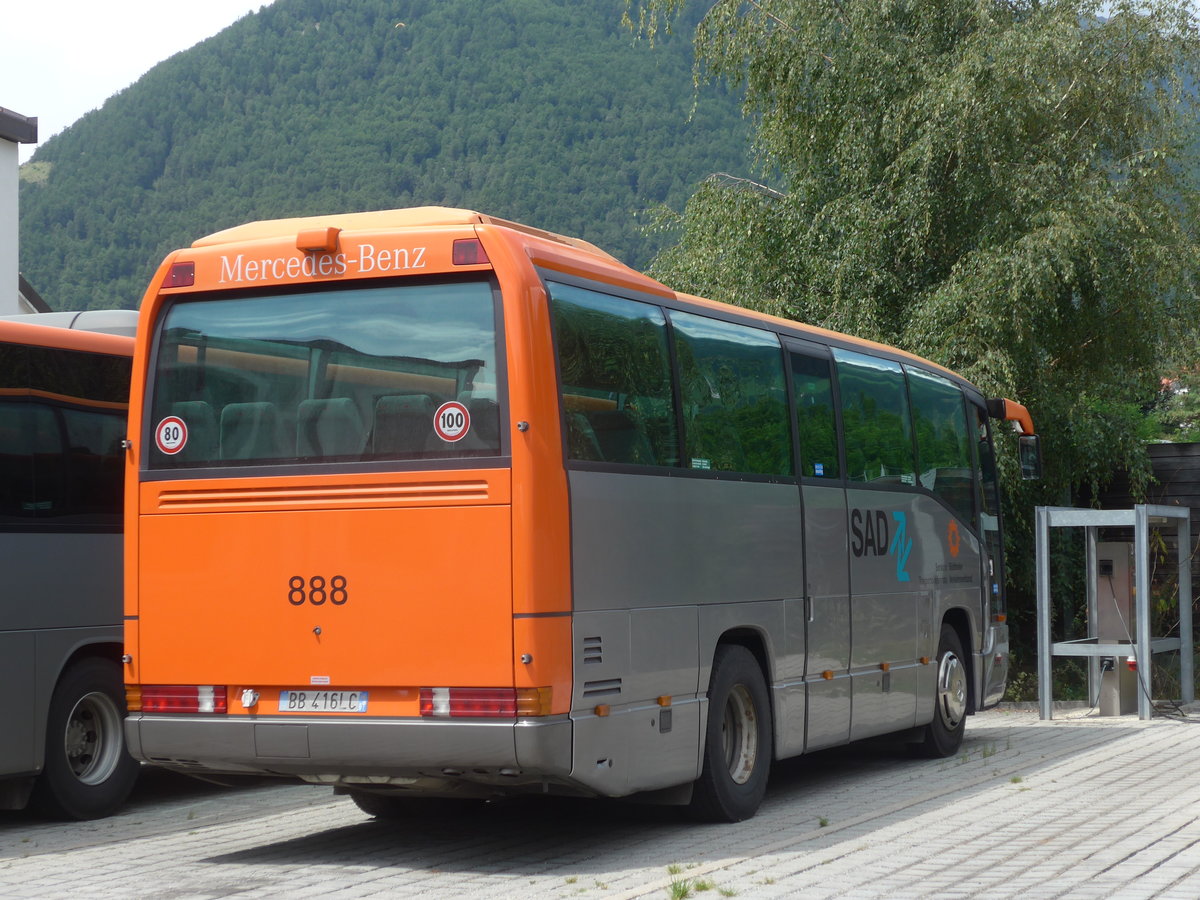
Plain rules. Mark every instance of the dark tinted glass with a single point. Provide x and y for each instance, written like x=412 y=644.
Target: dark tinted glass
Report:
x=875 y=419
x=943 y=440
x=393 y=372
x=62 y=419
x=734 y=395
x=812 y=381
x=618 y=405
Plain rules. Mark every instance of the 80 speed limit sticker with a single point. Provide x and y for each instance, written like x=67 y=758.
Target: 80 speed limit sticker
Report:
x=452 y=421
x=171 y=435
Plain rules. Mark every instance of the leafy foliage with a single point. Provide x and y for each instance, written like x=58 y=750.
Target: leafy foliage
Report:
x=1007 y=187
x=1003 y=187
x=543 y=111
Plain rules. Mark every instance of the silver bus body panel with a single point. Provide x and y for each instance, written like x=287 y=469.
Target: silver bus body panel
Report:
x=309 y=746
x=666 y=566
x=62 y=595
x=851 y=641
x=993 y=666
x=828 y=700
x=643 y=541
x=629 y=750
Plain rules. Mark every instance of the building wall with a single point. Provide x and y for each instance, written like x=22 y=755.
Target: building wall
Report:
x=1176 y=483
x=9 y=304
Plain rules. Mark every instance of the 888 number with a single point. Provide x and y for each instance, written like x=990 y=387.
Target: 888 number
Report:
x=318 y=590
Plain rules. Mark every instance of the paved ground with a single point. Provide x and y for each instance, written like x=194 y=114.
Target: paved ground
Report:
x=1075 y=807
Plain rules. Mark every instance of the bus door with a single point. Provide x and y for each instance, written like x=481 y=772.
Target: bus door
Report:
x=827 y=568
x=993 y=614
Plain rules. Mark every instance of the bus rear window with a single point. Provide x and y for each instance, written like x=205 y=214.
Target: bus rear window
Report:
x=398 y=372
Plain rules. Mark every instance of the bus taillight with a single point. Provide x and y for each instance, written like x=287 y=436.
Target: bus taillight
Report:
x=184 y=698
x=484 y=702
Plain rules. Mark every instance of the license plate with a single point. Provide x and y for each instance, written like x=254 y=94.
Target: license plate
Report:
x=323 y=701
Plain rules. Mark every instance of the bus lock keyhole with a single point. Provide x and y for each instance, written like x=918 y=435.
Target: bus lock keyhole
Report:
x=317 y=631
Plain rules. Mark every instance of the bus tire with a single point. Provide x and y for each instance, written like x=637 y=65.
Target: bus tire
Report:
x=401 y=808
x=737 y=740
x=87 y=774
x=944 y=735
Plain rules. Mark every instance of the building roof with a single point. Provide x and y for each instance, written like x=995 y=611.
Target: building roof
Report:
x=17 y=128
x=27 y=292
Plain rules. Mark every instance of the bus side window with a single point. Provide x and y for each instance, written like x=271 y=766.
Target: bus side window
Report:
x=816 y=419
x=943 y=440
x=76 y=424
x=618 y=404
x=733 y=389
x=16 y=454
x=875 y=418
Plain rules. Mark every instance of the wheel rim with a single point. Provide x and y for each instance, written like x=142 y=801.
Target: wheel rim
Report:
x=92 y=739
x=739 y=734
x=952 y=690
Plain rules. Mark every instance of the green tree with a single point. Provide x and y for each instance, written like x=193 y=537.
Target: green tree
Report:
x=1007 y=187
x=1004 y=187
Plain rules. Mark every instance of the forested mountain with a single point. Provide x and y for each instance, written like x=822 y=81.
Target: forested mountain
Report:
x=544 y=111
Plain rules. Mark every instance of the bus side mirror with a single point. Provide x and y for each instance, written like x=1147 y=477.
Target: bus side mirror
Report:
x=1030 y=451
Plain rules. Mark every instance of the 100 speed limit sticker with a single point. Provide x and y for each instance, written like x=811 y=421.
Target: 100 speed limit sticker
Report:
x=452 y=421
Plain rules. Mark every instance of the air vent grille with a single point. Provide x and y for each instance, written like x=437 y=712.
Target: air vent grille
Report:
x=602 y=688
x=593 y=650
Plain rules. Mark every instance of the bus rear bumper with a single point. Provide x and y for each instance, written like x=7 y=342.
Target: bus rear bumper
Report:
x=490 y=752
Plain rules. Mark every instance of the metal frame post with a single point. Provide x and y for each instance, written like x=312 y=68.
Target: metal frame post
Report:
x=1141 y=607
x=1187 y=673
x=1042 y=549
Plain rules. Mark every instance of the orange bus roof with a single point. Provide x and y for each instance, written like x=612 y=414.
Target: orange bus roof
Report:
x=419 y=217
x=384 y=220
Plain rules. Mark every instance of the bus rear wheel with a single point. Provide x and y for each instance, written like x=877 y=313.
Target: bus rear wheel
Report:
x=737 y=744
x=87 y=774
x=944 y=735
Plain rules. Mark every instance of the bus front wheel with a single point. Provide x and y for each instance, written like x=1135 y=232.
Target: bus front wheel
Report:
x=944 y=735
x=87 y=773
x=737 y=741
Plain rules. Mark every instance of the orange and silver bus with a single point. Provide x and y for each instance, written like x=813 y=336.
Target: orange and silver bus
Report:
x=425 y=504
x=64 y=398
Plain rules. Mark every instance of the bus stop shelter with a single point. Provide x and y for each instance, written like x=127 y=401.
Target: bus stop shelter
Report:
x=1141 y=645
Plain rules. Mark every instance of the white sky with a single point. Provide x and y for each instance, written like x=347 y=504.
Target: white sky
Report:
x=64 y=58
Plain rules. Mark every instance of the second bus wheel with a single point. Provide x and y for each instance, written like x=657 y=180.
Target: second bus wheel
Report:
x=737 y=739
x=943 y=736
x=87 y=774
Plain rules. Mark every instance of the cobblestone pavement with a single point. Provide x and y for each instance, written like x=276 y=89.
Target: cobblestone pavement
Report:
x=1076 y=807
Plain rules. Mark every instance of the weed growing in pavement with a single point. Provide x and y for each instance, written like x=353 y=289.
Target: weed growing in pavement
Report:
x=680 y=888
